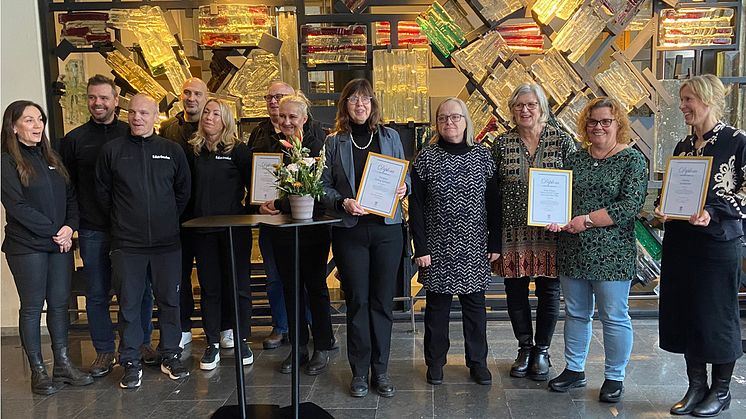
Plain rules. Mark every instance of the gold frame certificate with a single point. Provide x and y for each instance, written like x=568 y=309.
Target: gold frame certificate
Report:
x=382 y=176
x=263 y=186
x=685 y=186
x=549 y=197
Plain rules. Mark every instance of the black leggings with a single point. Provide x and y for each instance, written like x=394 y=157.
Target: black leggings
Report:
x=42 y=277
x=519 y=310
x=214 y=273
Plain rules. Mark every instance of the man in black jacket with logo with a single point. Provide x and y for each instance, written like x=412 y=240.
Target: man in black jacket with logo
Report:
x=80 y=149
x=180 y=129
x=143 y=181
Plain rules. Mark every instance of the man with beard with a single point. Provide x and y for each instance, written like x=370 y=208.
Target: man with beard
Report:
x=143 y=181
x=180 y=129
x=79 y=150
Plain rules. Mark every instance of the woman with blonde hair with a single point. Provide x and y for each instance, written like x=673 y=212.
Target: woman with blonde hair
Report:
x=597 y=251
x=701 y=263
x=454 y=213
x=313 y=247
x=221 y=175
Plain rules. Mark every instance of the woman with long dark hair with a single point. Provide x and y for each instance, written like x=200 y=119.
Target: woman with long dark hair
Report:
x=367 y=247
x=41 y=215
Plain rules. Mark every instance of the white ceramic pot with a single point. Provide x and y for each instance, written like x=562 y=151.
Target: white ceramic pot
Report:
x=301 y=207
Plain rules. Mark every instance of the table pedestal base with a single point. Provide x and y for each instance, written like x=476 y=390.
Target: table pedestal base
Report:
x=272 y=411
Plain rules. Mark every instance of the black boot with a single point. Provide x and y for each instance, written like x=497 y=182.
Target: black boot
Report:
x=287 y=365
x=65 y=372
x=718 y=398
x=697 y=373
x=40 y=381
x=539 y=367
x=522 y=362
x=318 y=362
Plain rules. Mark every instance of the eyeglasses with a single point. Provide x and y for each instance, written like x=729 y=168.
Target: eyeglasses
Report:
x=531 y=106
x=365 y=100
x=276 y=97
x=455 y=118
x=606 y=123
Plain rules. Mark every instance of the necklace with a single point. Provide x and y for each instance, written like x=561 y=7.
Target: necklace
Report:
x=595 y=163
x=366 y=146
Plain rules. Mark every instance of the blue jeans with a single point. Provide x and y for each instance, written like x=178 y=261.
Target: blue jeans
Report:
x=613 y=310
x=94 y=250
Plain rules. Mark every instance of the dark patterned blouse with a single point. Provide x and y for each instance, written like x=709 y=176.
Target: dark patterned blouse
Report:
x=726 y=199
x=619 y=184
x=526 y=250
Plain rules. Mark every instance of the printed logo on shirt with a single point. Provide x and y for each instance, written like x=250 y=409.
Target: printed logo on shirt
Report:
x=161 y=157
x=223 y=158
x=52 y=168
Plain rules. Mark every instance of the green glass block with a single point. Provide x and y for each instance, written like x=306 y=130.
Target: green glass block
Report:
x=646 y=239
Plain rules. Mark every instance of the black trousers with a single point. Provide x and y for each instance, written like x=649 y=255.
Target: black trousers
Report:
x=519 y=310
x=129 y=272
x=215 y=279
x=368 y=258
x=186 y=298
x=41 y=277
x=474 y=323
x=313 y=245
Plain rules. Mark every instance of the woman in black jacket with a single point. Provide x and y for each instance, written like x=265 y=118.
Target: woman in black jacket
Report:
x=41 y=215
x=313 y=245
x=221 y=174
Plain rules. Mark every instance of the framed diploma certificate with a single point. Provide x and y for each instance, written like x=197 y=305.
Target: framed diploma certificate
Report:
x=685 y=186
x=382 y=176
x=263 y=186
x=549 y=197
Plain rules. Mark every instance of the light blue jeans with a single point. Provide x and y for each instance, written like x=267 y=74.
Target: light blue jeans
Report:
x=613 y=310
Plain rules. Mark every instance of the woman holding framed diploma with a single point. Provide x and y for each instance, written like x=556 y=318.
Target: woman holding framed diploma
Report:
x=528 y=251
x=221 y=175
x=367 y=247
x=701 y=263
x=454 y=215
x=313 y=246
x=597 y=251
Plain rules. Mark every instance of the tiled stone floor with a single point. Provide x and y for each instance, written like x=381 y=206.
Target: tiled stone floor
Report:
x=655 y=380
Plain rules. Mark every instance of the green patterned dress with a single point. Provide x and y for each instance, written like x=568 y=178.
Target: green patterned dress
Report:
x=619 y=184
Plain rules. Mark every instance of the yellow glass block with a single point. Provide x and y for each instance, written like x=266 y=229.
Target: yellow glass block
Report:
x=621 y=83
x=479 y=56
x=562 y=9
x=556 y=76
x=287 y=30
x=135 y=75
x=251 y=81
x=400 y=80
x=581 y=30
x=568 y=116
x=480 y=110
x=149 y=27
x=501 y=83
x=496 y=10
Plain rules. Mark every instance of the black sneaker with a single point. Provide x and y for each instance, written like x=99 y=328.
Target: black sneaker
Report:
x=172 y=367
x=132 y=375
x=211 y=358
x=246 y=354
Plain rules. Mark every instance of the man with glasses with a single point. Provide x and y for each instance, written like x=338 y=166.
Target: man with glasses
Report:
x=265 y=138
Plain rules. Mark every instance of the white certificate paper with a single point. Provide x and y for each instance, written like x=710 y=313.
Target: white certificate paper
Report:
x=263 y=187
x=549 y=197
x=685 y=186
x=382 y=176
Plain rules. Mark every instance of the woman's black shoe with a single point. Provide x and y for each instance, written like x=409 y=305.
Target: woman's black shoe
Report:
x=522 y=362
x=359 y=386
x=611 y=391
x=383 y=385
x=697 y=373
x=41 y=383
x=318 y=363
x=287 y=365
x=65 y=372
x=481 y=375
x=567 y=380
x=539 y=364
x=435 y=375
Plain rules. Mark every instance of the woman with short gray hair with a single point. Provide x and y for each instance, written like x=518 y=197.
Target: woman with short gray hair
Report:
x=529 y=252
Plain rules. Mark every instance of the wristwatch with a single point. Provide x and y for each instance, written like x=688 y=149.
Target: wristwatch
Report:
x=588 y=222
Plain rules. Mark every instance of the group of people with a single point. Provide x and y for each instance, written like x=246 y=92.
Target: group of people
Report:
x=126 y=189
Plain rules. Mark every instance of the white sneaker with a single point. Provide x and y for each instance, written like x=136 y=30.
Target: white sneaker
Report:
x=186 y=339
x=226 y=339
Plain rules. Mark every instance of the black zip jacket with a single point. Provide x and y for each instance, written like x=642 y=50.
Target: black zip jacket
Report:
x=264 y=139
x=220 y=181
x=35 y=213
x=144 y=184
x=179 y=130
x=80 y=149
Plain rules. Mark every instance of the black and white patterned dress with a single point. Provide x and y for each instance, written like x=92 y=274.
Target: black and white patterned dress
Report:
x=451 y=187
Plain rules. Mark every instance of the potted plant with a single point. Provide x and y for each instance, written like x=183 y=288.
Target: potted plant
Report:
x=300 y=179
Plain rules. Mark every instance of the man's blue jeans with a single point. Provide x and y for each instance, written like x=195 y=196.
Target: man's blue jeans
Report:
x=94 y=250
x=613 y=310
